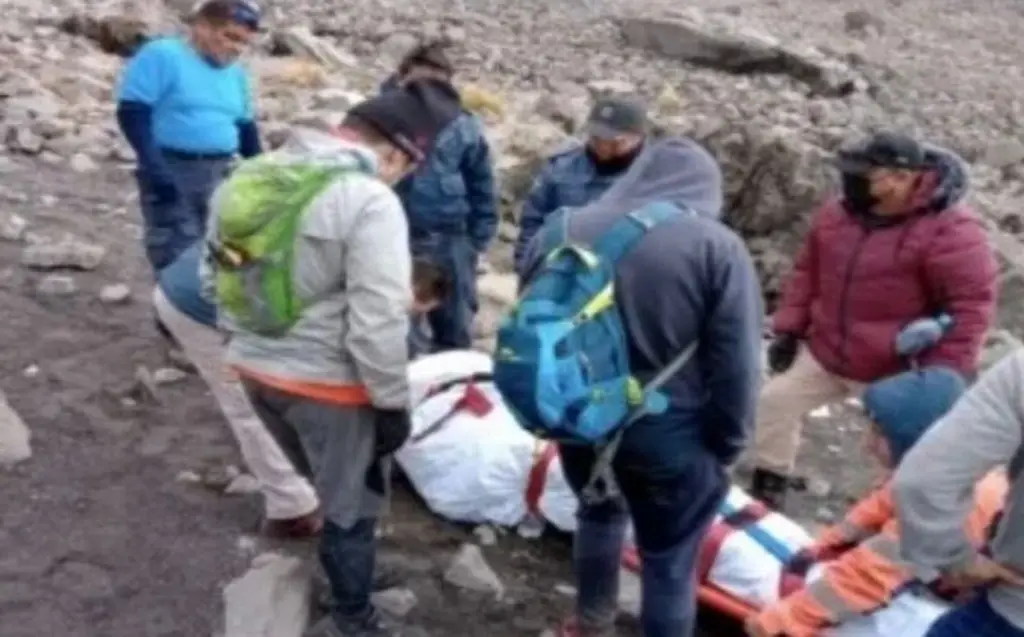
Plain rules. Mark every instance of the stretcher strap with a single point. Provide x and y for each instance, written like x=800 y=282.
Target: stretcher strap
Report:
x=543 y=454
x=744 y=519
x=440 y=388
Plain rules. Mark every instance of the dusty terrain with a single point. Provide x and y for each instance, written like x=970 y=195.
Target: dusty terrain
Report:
x=117 y=526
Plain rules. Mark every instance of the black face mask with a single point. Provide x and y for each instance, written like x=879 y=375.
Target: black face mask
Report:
x=857 y=193
x=615 y=165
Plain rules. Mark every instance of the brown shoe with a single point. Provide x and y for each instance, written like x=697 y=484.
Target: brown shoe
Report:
x=302 y=527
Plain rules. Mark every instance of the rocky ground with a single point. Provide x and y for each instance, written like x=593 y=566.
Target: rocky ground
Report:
x=119 y=523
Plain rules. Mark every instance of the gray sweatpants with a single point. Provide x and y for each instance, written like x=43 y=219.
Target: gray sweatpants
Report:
x=332 y=445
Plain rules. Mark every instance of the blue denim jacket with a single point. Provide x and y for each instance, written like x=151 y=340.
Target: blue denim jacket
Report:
x=567 y=179
x=454 y=191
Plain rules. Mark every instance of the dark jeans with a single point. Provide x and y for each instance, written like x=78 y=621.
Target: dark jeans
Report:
x=672 y=505
x=172 y=226
x=333 y=446
x=975 y=619
x=452 y=322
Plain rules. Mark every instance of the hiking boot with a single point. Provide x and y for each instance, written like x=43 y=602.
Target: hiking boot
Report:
x=300 y=528
x=770 y=487
x=384 y=578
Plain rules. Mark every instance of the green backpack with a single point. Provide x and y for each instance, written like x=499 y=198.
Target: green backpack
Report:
x=259 y=214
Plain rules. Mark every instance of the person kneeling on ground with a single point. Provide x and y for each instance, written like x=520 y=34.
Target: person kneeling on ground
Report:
x=292 y=510
x=320 y=340
x=291 y=506
x=862 y=572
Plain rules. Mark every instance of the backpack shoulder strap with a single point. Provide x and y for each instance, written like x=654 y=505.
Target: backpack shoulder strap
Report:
x=625 y=233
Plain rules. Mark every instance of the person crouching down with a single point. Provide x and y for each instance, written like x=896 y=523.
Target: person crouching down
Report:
x=862 y=572
x=292 y=509
x=291 y=504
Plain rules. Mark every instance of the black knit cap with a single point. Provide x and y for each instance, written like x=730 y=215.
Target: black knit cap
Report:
x=411 y=117
x=429 y=54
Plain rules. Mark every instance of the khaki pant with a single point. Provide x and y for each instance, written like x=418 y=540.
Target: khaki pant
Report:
x=785 y=401
x=286 y=493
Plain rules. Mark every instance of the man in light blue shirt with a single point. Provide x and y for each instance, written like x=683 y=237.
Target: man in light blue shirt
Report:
x=186 y=107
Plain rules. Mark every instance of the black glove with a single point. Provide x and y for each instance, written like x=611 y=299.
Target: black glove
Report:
x=393 y=428
x=782 y=352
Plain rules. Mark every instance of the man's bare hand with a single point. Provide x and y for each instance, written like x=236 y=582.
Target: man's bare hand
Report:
x=982 y=571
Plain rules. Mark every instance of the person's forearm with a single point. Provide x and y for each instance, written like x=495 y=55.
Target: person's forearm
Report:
x=482 y=228
x=135 y=120
x=733 y=354
x=249 y=139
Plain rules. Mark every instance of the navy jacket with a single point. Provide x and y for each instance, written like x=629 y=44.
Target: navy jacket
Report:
x=454 y=191
x=568 y=179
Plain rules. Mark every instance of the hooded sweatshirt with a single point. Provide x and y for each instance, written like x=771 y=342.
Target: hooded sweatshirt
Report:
x=691 y=279
x=932 y=487
x=859 y=279
x=352 y=256
x=861 y=569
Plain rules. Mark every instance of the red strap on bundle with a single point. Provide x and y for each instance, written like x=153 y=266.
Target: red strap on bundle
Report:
x=537 y=479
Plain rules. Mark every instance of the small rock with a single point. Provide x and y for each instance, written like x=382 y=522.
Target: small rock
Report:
x=825 y=514
x=247 y=544
x=469 y=570
x=565 y=589
x=397 y=602
x=31 y=371
x=485 y=535
x=57 y=285
x=243 y=485
x=115 y=294
x=82 y=163
x=272 y=599
x=15 y=437
x=819 y=487
x=168 y=376
x=220 y=478
x=187 y=476
x=145 y=387
x=13 y=227
x=75 y=255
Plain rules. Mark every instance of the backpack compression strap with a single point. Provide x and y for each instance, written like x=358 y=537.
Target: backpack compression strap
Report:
x=627 y=232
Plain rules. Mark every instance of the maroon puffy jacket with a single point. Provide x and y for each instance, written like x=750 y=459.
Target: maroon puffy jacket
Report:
x=858 y=281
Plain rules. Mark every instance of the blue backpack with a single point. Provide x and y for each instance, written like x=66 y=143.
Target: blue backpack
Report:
x=562 y=356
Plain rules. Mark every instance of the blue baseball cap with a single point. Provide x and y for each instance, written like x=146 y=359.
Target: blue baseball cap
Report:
x=242 y=12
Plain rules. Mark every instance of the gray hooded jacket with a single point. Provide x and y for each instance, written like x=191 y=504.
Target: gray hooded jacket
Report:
x=353 y=255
